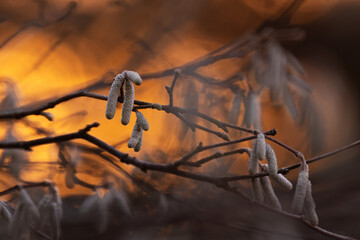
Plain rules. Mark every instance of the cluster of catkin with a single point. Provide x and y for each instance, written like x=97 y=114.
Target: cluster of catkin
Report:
x=136 y=135
x=303 y=200
x=103 y=206
x=45 y=216
x=127 y=78
x=262 y=188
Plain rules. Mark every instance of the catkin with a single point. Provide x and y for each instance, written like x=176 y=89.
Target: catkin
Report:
x=301 y=188
x=136 y=135
x=133 y=76
x=260 y=146
x=269 y=193
x=253 y=162
x=139 y=144
x=113 y=96
x=128 y=102
x=5 y=212
x=309 y=207
x=272 y=162
x=140 y=119
x=279 y=179
x=54 y=220
x=257 y=190
x=89 y=203
x=25 y=198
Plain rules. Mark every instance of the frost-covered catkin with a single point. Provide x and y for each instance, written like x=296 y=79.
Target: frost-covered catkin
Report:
x=5 y=212
x=260 y=146
x=133 y=76
x=309 y=207
x=136 y=135
x=27 y=201
x=140 y=119
x=128 y=102
x=279 y=179
x=139 y=144
x=253 y=162
x=269 y=193
x=113 y=96
x=301 y=188
x=272 y=162
x=257 y=190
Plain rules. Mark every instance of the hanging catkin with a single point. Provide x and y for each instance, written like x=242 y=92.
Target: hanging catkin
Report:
x=113 y=96
x=309 y=207
x=269 y=193
x=136 y=135
x=272 y=162
x=279 y=179
x=257 y=190
x=139 y=144
x=301 y=188
x=133 y=76
x=140 y=119
x=128 y=102
x=260 y=146
x=253 y=162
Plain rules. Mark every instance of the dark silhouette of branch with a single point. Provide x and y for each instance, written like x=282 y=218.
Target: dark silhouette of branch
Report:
x=166 y=168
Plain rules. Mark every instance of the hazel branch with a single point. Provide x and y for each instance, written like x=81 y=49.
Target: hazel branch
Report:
x=167 y=168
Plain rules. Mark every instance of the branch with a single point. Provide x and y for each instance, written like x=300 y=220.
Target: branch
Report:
x=286 y=170
x=167 y=168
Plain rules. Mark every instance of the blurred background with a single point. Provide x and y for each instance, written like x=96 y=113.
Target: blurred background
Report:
x=50 y=48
